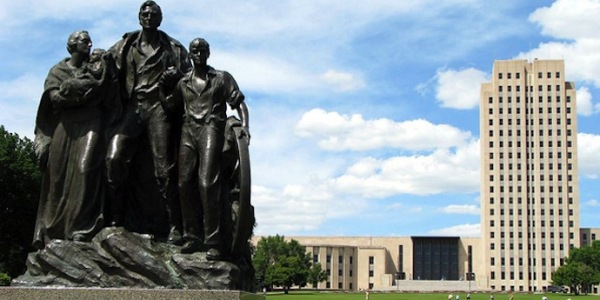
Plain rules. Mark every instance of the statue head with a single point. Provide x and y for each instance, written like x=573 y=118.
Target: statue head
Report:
x=199 y=51
x=150 y=15
x=96 y=55
x=79 y=41
x=200 y=43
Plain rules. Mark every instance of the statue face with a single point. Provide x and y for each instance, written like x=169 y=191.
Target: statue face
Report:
x=199 y=54
x=96 y=55
x=84 y=44
x=150 y=17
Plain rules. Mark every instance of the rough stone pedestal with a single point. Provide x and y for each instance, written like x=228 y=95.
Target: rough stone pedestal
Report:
x=10 y=293
x=116 y=258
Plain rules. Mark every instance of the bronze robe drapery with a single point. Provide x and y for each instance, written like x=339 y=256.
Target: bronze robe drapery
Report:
x=70 y=142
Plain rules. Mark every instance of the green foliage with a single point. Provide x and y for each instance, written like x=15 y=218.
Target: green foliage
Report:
x=19 y=192
x=4 y=279
x=316 y=274
x=281 y=263
x=581 y=269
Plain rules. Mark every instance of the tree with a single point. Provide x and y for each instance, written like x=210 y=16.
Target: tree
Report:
x=281 y=263
x=316 y=274
x=581 y=269
x=568 y=275
x=19 y=191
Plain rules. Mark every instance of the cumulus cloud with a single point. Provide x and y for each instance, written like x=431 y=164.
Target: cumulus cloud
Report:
x=575 y=24
x=585 y=107
x=442 y=171
x=588 y=147
x=459 y=89
x=566 y=19
x=343 y=81
x=306 y=203
x=337 y=132
x=464 y=230
x=461 y=209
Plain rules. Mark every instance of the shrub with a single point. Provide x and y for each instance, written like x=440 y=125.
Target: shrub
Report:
x=4 y=279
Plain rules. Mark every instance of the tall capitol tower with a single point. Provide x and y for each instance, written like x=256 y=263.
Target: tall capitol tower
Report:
x=529 y=173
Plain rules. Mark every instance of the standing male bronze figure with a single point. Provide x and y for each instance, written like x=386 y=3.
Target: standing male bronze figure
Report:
x=204 y=93
x=142 y=57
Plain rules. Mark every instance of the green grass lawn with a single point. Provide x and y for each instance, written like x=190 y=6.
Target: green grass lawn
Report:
x=312 y=295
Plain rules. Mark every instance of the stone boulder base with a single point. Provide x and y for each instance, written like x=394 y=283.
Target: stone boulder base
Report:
x=119 y=258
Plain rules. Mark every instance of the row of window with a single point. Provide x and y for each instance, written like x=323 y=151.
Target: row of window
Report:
x=520 y=261
x=518 y=75
x=520 y=236
x=540 y=88
x=531 y=144
x=531 y=212
x=529 y=246
x=531 y=224
x=328 y=259
x=541 y=178
x=518 y=110
x=527 y=121
x=512 y=275
x=542 y=200
x=529 y=166
x=532 y=156
x=518 y=99
x=340 y=272
x=531 y=132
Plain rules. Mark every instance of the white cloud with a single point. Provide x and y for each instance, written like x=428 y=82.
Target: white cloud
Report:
x=575 y=23
x=585 y=106
x=459 y=89
x=592 y=203
x=461 y=209
x=567 y=19
x=264 y=74
x=338 y=132
x=343 y=81
x=299 y=208
x=464 y=230
x=308 y=197
x=442 y=171
x=588 y=147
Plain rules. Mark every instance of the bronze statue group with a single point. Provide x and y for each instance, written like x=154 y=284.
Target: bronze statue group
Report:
x=138 y=136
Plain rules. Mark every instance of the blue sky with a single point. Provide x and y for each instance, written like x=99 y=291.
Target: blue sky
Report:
x=364 y=114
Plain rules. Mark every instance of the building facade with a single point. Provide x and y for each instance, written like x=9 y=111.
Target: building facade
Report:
x=529 y=194
x=361 y=263
x=529 y=199
x=588 y=235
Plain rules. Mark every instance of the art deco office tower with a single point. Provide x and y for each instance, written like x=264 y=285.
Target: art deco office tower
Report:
x=529 y=183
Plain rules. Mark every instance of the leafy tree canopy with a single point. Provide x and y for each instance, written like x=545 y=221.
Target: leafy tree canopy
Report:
x=281 y=263
x=581 y=269
x=19 y=192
